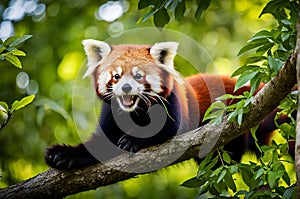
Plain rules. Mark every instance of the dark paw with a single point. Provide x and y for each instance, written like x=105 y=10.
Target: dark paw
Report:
x=127 y=143
x=60 y=157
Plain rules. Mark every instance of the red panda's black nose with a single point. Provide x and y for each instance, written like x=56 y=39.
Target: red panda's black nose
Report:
x=126 y=88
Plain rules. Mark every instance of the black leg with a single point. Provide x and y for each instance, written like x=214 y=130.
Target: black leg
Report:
x=65 y=157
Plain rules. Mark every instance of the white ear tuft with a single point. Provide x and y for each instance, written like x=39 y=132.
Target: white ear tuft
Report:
x=164 y=52
x=95 y=51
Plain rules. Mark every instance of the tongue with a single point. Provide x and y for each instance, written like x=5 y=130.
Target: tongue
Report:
x=127 y=100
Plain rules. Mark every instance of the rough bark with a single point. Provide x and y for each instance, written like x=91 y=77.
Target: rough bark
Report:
x=57 y=184
x=297 y=144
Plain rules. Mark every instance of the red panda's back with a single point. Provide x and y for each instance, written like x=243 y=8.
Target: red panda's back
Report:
x=208 y=87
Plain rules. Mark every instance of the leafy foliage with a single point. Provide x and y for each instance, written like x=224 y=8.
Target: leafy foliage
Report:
x=6 y=112
x=159 y=10
x=265 y=178
x=272 y=49
x=9 y=52
x=266 y=52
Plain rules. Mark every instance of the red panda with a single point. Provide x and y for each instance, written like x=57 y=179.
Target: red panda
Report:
x=131 y=80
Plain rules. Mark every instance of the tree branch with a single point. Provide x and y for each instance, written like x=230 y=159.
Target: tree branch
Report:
x=57 y=184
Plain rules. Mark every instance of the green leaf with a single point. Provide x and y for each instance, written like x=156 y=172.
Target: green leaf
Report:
x=16 y=40
x=145 y=3
x=259 y=173
x=273 y=6
x=240 y=116
x=217 y=171
x=202 y=6
x=17 y=52
x=233 y=169
x=4 y=105
x=192 y=183
x=243 y=79
x=273 y=177
x=215 y=112
x=215 y=105
x=161 y=18
x=264 y=34
x=172 y=4
x=251 y=46
x=230 y=182
x=222 y=175
x=275 y=64
x=230 y=96
x=289 y=192
x=149 y=14
x=22 y=103
x=13 y=60
x=264 y=48
x=255 y=58
x=2 y=48
x=242 y=69
x=255 y=82
x=226 y=157
x=179 y=10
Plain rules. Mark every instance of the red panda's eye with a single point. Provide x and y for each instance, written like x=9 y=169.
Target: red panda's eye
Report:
x=138 y=76
x=117 y=76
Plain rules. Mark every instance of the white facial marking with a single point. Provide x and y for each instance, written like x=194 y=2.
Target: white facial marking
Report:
x=135 y=70
x=154 y=81
x=119 y=70
x=103 y=79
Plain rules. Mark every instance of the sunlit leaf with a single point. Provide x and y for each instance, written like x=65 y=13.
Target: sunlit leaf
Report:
x=2 y=48
x=22 y=103
x=4 y=106
x=17 y=52
x=13 y=60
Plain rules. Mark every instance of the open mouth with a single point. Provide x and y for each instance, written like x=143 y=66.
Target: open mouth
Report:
x=128 y=102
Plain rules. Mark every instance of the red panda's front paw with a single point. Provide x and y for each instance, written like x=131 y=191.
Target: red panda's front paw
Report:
x=127 y=143
x=60 y=157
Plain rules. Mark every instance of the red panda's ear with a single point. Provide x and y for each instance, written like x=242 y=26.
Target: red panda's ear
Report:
x=164 y=52
x=95 y=51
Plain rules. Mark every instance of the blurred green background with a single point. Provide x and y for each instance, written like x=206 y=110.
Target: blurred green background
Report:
x=66 y=110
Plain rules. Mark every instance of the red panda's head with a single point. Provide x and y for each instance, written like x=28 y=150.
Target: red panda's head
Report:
x=132 y=74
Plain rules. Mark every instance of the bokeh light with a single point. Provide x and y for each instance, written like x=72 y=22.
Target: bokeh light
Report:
x=112 y=10
x=16 y=11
